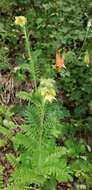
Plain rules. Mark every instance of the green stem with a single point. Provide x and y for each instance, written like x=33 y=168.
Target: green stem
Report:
x=30 y=55
x=41 y=130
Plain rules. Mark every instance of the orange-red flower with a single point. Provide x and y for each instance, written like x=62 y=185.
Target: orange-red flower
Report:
x=59 y=61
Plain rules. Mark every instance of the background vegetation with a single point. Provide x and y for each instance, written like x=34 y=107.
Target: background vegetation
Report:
x=66 y=145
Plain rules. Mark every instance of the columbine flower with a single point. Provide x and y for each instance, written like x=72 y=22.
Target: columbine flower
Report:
x=20 y=20
x=47 y=90
x=59 y=61
x=88 y=24
x=87 y=58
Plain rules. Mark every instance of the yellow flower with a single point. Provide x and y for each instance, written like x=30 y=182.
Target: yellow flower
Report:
x=47 y=90
x=47 y=83
x=49 y=96
x=20 y=20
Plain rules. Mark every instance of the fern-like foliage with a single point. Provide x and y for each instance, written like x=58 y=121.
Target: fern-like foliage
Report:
x=6 y=124
x=41 y=158
x=41 y=161
x=6 y=133
x=1 y=177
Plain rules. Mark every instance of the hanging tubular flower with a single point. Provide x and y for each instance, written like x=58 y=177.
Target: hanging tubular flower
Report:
x=59 y=61
x=20 y=20
x=89 y=24
x=87 y=58
x=47 y=90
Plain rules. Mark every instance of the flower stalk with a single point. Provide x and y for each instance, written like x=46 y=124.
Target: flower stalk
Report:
x=30 y=55
x=41 y=130
x=21 y=21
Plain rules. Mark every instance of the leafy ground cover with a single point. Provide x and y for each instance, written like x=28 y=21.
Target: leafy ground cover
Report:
x=45 y=95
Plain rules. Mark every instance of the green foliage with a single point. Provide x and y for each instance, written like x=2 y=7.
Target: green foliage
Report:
x=4 y=60
x=6 y=5
x=54 y=142
x=41 y=159
x=6 y=126
x=1 y=177
x=40 y=153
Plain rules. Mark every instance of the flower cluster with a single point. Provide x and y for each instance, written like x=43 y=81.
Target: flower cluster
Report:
x=47 y=89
